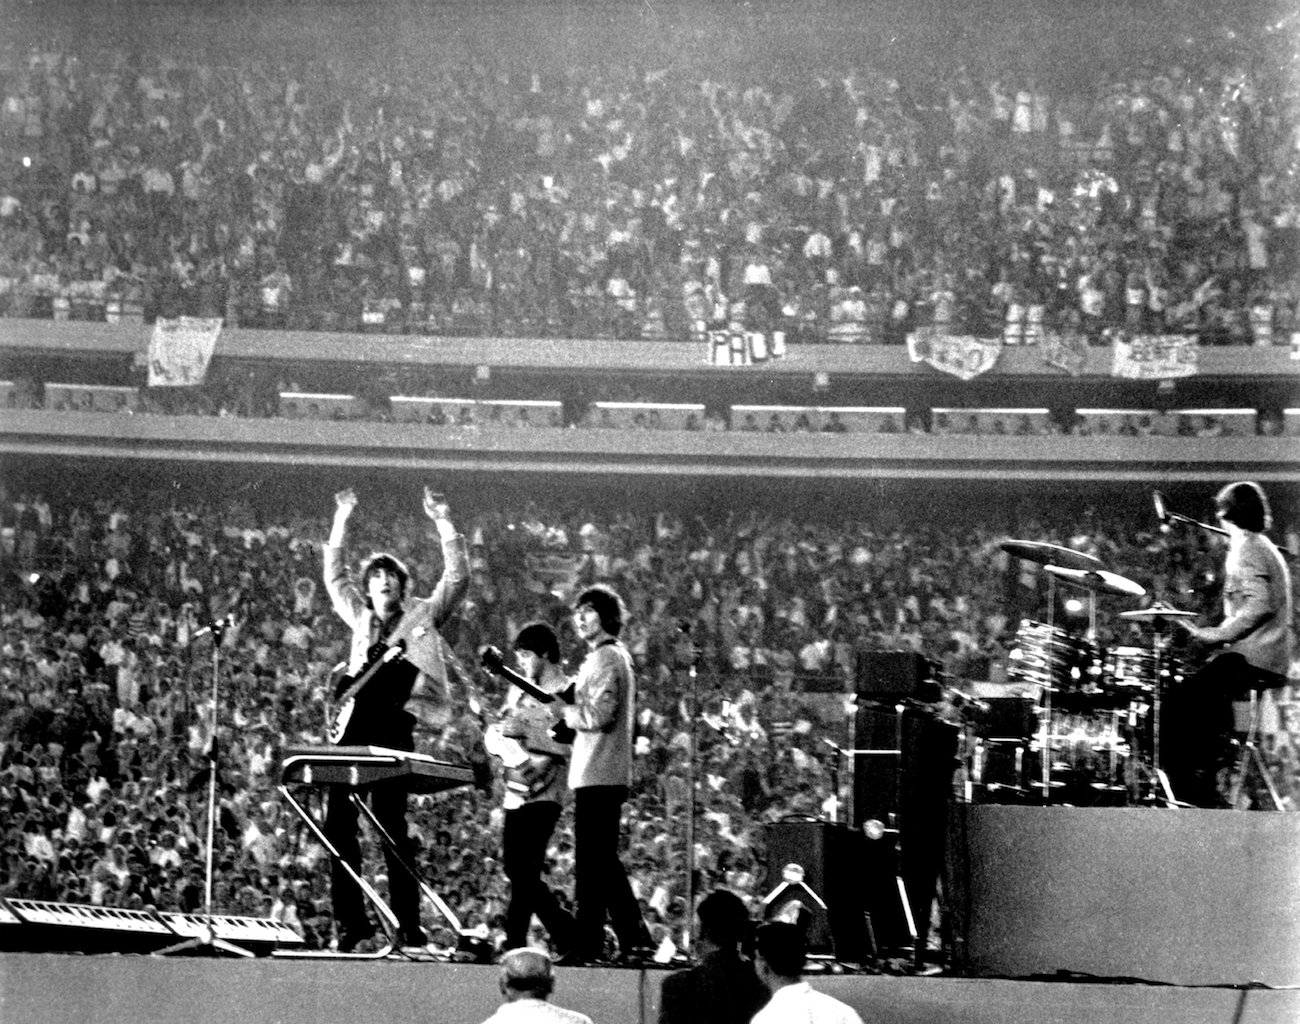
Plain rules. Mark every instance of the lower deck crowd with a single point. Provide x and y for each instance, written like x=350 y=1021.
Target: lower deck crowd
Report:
x=107 y=674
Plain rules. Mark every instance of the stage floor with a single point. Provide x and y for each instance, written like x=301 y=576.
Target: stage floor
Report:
x=1061 y=916
x=50 y=988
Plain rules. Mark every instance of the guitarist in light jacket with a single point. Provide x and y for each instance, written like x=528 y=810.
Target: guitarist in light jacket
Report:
x=379 y=709
x=603 y=716
x=536 y=779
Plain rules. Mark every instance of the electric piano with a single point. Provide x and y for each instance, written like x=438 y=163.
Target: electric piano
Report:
x=355 y=767
x=358 y=766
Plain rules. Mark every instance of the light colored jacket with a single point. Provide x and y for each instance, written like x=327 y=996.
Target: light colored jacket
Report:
x=352 y=606
x=1256 y=605
x=603 y=714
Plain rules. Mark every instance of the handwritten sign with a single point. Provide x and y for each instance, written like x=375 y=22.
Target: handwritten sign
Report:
x=1155 y=356
x=962 y=355
x=1067 y=350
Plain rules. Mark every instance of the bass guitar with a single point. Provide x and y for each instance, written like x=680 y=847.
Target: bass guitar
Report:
x=494 y=661
x=527 y=772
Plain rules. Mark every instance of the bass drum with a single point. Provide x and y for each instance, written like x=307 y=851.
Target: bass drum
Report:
x=998 y=737
x=1068 y=666
x=1089 y=757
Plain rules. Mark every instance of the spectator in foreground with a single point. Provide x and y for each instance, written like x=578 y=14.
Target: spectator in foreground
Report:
x=723 y=988
x=780 y=957
x=527 y=981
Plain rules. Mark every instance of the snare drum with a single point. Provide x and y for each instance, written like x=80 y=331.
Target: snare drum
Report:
x=1130 y=669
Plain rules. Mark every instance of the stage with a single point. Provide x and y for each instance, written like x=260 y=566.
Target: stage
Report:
x=61 y=989
x=1058 y=915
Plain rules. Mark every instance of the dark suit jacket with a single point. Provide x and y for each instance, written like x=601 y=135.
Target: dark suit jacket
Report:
x=721 y=989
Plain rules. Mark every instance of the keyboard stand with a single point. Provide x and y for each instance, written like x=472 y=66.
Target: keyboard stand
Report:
x=427 y=890
x=356 y=768
x=387 y=919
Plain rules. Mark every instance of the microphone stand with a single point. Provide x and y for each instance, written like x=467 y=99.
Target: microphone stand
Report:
x=690 y=791
x=1161 y=644
x=208 y=942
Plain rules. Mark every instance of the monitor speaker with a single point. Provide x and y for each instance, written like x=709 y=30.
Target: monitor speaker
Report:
x=815 y=878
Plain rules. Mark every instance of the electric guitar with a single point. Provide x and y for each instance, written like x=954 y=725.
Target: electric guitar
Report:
x=339 y=714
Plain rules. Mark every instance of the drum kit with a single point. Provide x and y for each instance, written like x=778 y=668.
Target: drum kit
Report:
x=1088 y=730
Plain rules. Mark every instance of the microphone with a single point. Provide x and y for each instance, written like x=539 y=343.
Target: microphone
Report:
x=960 y=699
x=1158 y=500
x=216 y=626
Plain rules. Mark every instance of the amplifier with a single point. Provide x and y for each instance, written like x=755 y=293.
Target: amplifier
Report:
x=895 y=675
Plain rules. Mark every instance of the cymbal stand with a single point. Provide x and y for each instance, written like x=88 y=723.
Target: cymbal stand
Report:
x=1045 y=712
x=1159 y=641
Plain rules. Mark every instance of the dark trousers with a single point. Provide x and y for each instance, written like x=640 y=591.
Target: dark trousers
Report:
x=600 y=885
x=388 y=802
x=524 y=839
x=1197 y=725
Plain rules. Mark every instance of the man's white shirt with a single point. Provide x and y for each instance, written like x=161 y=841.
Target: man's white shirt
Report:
x=535 y=1011
x=800 y=1003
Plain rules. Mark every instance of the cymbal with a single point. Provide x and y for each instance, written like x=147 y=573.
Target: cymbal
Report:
x=1099 y=580
x=1050 y=554
x=1157 y=612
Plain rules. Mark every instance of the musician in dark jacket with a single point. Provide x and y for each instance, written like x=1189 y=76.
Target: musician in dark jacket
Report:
x=536 y=770
x=384 y=710
x=723 y=987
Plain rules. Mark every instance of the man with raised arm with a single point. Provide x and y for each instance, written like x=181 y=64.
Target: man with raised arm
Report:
x=381 y=707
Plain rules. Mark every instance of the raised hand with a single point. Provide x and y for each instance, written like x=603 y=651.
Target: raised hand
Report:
x=346 y=500
x=492 y=659
x=435 y=505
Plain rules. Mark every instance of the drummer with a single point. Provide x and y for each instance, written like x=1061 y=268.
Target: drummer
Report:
x=1250 y=649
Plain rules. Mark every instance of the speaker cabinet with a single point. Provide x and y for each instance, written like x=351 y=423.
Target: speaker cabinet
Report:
x=895 y=675
x=832 y=890
x=904 y=758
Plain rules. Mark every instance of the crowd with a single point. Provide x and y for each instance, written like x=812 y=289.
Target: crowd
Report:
x=628 y=198
x=107 y=671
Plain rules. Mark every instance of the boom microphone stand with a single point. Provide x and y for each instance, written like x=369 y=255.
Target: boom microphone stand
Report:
x=208 y=941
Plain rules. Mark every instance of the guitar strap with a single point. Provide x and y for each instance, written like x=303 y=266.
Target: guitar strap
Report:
x=391 y=686
x=387 y=626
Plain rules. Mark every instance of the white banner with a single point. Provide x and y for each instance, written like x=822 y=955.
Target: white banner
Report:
x=1155 y=356
x=962 y=355
x=744 y=348
x=180 y=350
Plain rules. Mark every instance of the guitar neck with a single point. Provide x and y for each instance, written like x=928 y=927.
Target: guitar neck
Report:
x=527 y=685
x=369 y=672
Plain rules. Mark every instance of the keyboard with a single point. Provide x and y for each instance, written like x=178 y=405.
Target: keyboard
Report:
x=368 y=766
